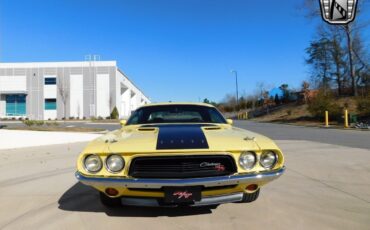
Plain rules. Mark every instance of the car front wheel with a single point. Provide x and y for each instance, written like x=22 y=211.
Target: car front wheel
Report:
x=108 y=201
x=250 y=197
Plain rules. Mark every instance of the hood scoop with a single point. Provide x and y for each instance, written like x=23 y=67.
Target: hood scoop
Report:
x=212 y=128
x=146 y=129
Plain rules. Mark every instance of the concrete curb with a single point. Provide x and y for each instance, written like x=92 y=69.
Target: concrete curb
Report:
x=312 y=126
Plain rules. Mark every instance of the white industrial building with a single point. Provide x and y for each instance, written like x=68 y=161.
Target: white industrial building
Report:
x=54 y=90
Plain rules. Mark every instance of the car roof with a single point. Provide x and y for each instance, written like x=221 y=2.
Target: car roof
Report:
x=178 y=103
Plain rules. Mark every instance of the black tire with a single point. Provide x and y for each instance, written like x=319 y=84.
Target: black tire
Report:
x=108 y=201
x=250 y=197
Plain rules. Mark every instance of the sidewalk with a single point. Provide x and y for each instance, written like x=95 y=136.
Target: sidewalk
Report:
x=10 y=139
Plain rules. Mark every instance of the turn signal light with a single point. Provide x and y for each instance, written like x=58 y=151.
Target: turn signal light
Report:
x=251 y=187
x=111 y=192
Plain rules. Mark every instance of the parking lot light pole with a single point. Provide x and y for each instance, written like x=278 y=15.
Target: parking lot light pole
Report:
x=237 y=91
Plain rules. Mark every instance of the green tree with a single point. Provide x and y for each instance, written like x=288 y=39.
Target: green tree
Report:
x=324 y=101
x=277 y=99
x=363 y=105
x=320 y=61
x=286 y=92
x=205 y=100
x=114 y=114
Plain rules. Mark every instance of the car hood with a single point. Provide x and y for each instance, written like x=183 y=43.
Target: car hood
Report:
x=179 y=138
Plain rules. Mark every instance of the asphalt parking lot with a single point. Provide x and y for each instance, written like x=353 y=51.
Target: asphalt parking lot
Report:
x=349 y=138
x=326 y=186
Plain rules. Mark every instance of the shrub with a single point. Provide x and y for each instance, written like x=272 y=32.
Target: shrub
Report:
x=51 y=123
x=28 y=123
x=324 y=102
x=39 y=123
x=114 y=114
x=363 y=105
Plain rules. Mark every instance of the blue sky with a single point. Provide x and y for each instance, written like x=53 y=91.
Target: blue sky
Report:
x=178 y=50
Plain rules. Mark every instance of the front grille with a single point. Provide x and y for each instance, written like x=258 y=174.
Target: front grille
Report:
x=171 y=167
x=204 y=189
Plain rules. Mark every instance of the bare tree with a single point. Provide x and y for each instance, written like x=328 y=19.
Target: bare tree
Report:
x=111 y=104
x=261 y=89
x=78 y=110
x=64 y=95
x=305 y=91
x=348 y=30
x=352 y=35
x=312 y=8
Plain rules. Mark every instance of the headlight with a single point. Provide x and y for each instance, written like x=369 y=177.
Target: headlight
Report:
x=115 y=163
x=268 y=159
x=93 y=163
x=247 y=160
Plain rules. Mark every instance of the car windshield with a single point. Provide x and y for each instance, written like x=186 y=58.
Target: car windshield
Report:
x=176 y=114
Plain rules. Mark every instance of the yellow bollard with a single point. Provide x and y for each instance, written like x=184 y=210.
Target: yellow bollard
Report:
x=346 y=118
x=326 y=119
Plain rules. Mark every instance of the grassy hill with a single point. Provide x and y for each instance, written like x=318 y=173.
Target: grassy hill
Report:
x=299 y=114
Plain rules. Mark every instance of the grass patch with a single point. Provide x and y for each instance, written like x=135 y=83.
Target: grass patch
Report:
x=105 y=121
x=56 y=129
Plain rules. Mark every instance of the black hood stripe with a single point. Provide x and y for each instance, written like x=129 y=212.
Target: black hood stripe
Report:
x=189 y=136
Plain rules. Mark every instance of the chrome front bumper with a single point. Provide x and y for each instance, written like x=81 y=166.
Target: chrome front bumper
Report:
x=262 y=177
x=205 y=201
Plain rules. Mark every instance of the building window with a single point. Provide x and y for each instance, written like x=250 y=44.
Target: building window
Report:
x=50 y=81
x=51 y=104
x=15 y=105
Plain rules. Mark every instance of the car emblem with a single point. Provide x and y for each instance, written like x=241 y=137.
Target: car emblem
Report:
x=184 y=194
x=338 y=11
x=218 y=166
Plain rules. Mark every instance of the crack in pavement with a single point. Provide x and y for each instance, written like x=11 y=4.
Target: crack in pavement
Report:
x=329 y=186
x=37 y=176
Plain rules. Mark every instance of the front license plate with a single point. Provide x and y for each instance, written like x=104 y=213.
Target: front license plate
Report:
x=182 y=194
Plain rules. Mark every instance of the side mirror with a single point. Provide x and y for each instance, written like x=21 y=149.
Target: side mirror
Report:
x=123 y=122
x=229 y=121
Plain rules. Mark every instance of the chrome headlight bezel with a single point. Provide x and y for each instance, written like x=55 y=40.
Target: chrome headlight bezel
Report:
x=99 y=164
x=251 y=156
x=117 y=157
x=272 y=155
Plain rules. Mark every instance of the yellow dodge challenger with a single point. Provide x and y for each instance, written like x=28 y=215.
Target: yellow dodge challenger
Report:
x=179 y=154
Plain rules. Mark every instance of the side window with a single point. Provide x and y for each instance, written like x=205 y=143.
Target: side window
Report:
x=135 y=117
x=215 y=116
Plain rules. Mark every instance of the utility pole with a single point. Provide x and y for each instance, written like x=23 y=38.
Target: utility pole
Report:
x=237 y=90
